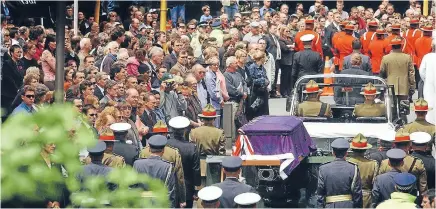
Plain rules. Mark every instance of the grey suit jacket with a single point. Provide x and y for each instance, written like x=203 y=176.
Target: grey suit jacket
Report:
x=231 y=188
x=365 y=66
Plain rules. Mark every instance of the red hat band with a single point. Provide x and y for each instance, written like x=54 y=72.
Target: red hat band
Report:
x=421 y=107
x=359 y=144
x=371 y=91
x=402 y=138
x=160 y=130
x=106 y=138
x=312 y=89
x=213 y=113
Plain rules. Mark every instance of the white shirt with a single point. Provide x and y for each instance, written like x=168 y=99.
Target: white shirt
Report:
x=427 y=71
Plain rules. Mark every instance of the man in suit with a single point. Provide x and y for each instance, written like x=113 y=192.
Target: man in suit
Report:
x=273 y=47
x=170 y=60
x=339 y=189
x=231 y=186
x=189 y=154
x=397 y=69
x=332 y=29
x=366 y=62
x=353 y=97
x=100 y=79
x=148 y=118
x=121 y=147
x=156 y=167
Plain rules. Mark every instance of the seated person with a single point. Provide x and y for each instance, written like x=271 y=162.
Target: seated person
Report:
x=354 y=97
x=369 y=108
x=313 y=107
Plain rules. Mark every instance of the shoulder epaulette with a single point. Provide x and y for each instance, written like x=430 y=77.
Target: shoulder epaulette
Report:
x=171 y=147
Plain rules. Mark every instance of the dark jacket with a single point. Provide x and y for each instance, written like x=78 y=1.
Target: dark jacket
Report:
x=287 y=53
x=190 y=162
x=169 y=61
x=329 y=32
x=307 y=62
x=354 y=96
x=231 y=188
x=429 y=165
x=98 y=93
x=11 y=81
x=128 y=151
x=271 y=45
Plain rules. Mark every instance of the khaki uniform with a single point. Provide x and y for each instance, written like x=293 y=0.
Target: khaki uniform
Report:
x=109 y=159
x=420 y=125
x=369 y=110
x=368 y=171
x=172 y=155
x=418 y=170
x=209 y=140
x=397 y=69
x=312 y=109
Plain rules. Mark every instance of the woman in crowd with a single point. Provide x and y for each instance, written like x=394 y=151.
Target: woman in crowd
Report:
x=41 y=92
x=258 y=102
x=27 y=60
x=91 y=100
x=287 y=52
x=48 y=61
x=68 y=78
x=133 y=133
x=107 y=117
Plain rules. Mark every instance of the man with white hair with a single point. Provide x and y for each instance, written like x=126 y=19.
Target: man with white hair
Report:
x=85 y=48
x=427 y=71
x=254 y=35
x=111 y=52
x=235 y=84
x=156 y=58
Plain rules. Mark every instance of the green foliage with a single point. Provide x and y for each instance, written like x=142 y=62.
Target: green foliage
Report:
x=24 y=173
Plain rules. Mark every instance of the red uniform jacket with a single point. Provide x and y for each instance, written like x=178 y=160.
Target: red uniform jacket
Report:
x=411 y=35
x=335 y=37
x=366 y=39
x=422 y=47
x=316 y=42
x=344 y=47
x=376 y=51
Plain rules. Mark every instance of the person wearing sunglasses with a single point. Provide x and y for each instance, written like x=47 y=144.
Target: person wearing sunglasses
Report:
x=28 y=97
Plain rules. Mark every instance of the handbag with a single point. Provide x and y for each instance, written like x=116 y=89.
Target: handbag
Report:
x=240 y=117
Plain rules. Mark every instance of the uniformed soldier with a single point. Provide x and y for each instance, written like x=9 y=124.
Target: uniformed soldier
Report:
x=339 y=183
x=397 y=69
x=395 y=33
x=313 y=107
x=172 y=155
x=411 y=164
x=368 y=36
x=402 y=198
x=247 y=200
x=369 y=108
x=368 y=168
x=316 y=42
x=210 y=141
x=421 y=108
x=95 y=168
x=305 y=62
x=385 y=144
x=128 y=151
x=343 y=46
x=209 y=196
x=384 y=183
x=231 y=186
x=109 y=158
x=423 y=43
x=376 y=50
x=158 y=168
x=190 y=159
x=420 y=144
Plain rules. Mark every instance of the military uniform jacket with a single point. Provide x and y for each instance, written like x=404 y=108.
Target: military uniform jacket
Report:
x=127 y=151
x=94 y=169
x=429 y=165
x=397 y=69
x=190 y=163
x=172 y=155
x=420 y=125
x=368 y=171
x=109 y=159
x=209 y=140
x=160 y=169
x=418 y=170
x=312 y=109
x=383 y=186
x=370 y=110
x=231 y=188
x=339 y=177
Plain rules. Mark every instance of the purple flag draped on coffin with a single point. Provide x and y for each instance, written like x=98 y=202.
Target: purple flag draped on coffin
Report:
x=277 y=136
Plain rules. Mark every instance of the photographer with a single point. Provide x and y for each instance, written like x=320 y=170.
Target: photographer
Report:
x=173 y=103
